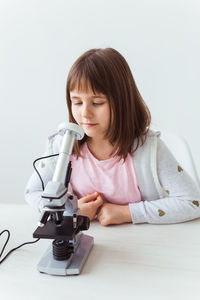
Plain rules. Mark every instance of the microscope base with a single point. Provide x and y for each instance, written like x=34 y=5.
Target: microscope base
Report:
x=71 y=266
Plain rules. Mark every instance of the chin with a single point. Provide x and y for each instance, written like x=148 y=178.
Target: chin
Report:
x=89 y=134
x=91 y=131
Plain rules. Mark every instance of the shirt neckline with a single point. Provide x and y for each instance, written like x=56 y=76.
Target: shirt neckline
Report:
x=89 y=153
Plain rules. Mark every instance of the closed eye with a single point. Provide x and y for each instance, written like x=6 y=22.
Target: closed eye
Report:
x=79 y=103
x=98 y=103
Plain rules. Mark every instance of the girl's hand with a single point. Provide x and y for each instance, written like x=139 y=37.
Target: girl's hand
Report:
x=89 y=205
x=114 y=214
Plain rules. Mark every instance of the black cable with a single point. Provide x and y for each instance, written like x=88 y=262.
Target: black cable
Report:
x=37 y=170
x=8 y=232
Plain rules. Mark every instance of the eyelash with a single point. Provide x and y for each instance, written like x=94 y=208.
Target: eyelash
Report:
x=78 y=103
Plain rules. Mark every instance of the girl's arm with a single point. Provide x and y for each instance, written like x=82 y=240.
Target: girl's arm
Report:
x=182 y=202
x=33 y=190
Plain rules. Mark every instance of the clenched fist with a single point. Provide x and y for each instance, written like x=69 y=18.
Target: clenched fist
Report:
x=114 y=214
x=89 y=205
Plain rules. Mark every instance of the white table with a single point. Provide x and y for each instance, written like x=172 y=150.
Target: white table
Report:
x=127 y=262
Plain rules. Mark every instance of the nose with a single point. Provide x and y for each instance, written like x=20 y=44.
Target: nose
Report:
x=86 y=111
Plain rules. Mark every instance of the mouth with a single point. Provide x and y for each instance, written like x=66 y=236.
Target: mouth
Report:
x=90 y=124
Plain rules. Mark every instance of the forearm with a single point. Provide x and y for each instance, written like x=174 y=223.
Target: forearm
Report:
x=34 y=199
x=165 y=211
x=33 y=190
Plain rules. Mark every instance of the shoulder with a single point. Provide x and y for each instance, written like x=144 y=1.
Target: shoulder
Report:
x=146 y=141
x=154 y=141
x=151 y=133
x=152 y=146
x=53 y=142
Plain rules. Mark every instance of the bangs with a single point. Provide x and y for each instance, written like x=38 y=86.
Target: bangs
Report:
x=85 y=77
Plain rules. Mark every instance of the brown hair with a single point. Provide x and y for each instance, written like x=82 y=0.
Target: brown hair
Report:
x=106 y=71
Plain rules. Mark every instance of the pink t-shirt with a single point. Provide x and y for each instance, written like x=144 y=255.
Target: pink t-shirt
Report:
x=115 y=180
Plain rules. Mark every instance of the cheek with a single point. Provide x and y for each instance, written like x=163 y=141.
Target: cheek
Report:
x=106 y=115
x=74 y=113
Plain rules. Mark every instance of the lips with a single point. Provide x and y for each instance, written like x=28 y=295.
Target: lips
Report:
x=89 y=124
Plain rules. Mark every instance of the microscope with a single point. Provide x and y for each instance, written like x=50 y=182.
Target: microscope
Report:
x=60 y=219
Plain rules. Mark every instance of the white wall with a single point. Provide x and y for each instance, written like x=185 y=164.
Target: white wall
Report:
x=40 y=39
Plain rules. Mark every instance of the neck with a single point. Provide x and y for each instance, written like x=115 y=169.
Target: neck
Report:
x=101 y=149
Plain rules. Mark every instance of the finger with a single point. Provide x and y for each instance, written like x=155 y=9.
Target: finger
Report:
x=89 y=198
x=99 y=201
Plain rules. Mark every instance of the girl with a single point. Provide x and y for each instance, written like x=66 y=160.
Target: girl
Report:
x=121 y=171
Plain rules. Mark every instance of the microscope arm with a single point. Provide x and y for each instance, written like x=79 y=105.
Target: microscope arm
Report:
x=55 y=201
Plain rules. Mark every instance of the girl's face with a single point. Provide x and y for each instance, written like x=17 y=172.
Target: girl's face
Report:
x=91 y=112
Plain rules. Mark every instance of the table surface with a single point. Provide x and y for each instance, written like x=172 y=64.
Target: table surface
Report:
x=127 y=261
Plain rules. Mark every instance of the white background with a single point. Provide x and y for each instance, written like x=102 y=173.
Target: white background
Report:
x=40 y=40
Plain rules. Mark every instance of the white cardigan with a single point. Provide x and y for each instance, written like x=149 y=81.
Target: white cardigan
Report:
x=169 y=195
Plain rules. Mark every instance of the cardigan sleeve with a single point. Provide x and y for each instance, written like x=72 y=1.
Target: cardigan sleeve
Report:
x=182 y=200
x=33 y=190
x=45 y=167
